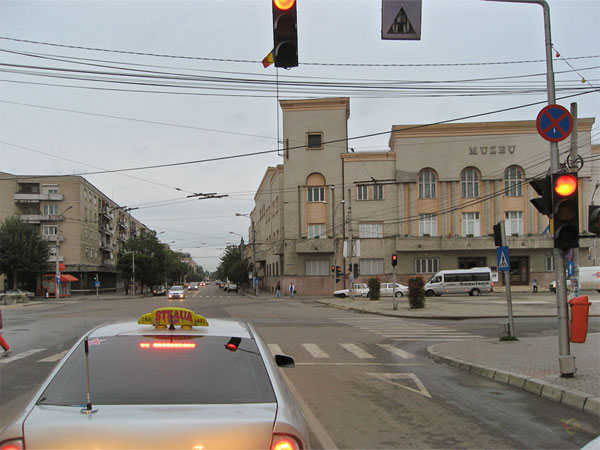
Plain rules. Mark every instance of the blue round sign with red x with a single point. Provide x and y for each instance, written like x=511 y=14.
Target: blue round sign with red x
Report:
x=554 y=123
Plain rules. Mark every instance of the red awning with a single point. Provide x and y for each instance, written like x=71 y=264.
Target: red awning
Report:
x=67 y=277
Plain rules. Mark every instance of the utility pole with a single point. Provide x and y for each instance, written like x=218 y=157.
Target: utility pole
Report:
x=349 y=220
x=133 y=270
x=58 y=274
x=573 y=159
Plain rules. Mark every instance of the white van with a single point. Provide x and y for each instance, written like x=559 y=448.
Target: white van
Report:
x=473 y=281
x=589 y=279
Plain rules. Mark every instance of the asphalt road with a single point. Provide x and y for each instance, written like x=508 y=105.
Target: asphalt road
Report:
x=365 y=381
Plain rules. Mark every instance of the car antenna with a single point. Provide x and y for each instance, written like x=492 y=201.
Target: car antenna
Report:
x=88 y=407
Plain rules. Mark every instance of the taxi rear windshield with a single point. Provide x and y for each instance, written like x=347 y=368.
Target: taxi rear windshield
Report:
x=150 y=370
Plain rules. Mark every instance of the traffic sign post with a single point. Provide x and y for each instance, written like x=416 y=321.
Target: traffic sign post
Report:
x=504 y=266
x=554 y=123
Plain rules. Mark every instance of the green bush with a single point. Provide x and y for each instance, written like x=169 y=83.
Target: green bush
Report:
x=416 y=292
x=374 y=287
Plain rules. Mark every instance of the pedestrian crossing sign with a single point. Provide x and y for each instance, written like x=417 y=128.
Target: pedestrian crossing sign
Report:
x=503 y=259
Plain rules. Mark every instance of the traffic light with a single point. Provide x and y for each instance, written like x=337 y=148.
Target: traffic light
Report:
x=566 y=210
x=498 y=234
x=356 y=270
x=332 y=269
x=285 y=33
x=338 y=271
x=543 y=186
x=394 y=260
x=594 y=220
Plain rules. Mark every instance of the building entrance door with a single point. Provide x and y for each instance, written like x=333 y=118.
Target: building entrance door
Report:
x=468 y=263
x=519 y=270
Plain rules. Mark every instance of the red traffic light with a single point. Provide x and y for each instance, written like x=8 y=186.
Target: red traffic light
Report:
x=284 y=5
x=394 y=259
x=565 y=185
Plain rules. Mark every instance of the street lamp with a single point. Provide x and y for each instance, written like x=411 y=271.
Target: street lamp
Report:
x=58 y=274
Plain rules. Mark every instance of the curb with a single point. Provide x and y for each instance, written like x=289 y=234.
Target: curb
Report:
x=542 y=388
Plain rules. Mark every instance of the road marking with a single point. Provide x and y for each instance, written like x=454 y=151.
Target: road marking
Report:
x=357 y=351
x=54 y=358
x=357 y=364
x=393 y=378
x=275 y=349
x=315 y=351
x=396 y=351
x=21 y=355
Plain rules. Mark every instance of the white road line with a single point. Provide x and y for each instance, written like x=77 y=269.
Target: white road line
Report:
x=396 y=351
x=357 y=351
x=315 y=351
x=21 y=355
x=54 y=358
x=275 y=349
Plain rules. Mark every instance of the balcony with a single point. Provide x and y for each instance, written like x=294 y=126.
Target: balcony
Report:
x=321 y=245
x=440 y=243
x=52 y=258
x=31 y=218
x=107 y=229
x=52 y=238
x=23 y=197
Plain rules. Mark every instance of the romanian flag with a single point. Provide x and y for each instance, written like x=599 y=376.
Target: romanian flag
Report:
x=268 y=60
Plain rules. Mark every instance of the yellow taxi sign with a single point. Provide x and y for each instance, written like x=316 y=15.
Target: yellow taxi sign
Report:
x=163 y=317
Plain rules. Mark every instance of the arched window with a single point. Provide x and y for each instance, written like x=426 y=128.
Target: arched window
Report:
x=513 y=182
x=315 y=187
x=470 y=183
x=427 y=184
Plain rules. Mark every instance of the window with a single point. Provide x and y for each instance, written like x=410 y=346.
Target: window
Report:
x=316 y=194
x=513 y=222
x=470 y=183
x=378 y=192
x=362 y=192
x=50 y=210
x=513 y=182
x=85 y=233
x=427 y=265
x=427 y=184
x=317 y=267
x=371 y=266
x=470 y=224
x=52 y=251
x=314 y=141
x=49 y=230
x=550 y=263
x=427 y=225
x=316 y=230
x=370 y=230
x=50 y=189
x=86 y=252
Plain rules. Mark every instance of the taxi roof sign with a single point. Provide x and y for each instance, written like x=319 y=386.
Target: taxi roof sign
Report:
x=164 y=317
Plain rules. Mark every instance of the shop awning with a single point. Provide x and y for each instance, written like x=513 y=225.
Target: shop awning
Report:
x=67 y=277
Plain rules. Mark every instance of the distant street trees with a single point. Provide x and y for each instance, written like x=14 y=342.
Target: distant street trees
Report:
x=23 y=253
x=234 y=266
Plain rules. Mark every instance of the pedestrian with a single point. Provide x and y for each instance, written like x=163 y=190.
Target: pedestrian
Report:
x=292 y=288
x=3 y=344
x=278 y=290
x=534 y=286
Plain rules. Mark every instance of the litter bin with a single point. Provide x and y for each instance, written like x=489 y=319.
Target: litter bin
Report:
x=580 y=307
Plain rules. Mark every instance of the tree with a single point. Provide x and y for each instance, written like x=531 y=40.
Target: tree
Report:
x=23 y=253
x=150 y=260
x=233 y=266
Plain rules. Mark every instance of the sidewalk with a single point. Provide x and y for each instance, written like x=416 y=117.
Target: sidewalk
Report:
x=529 y=363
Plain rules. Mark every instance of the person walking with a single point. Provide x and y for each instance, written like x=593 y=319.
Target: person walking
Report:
x=534 y=286
x=278 y=290
x=292 y=288
x=3 y=344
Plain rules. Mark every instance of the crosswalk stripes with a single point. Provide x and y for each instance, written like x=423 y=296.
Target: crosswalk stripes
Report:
x=401 y=330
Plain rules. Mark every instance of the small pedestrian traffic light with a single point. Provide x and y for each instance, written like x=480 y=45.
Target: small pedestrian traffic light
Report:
x=543 y=186
x=566 y=210
x=338 y=271
x=594 y=220
x=394 y=260
x=356 y=270
x=285 y=33
x=332 y=269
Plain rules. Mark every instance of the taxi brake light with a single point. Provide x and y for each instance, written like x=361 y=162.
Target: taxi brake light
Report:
x=283 y=442
x=16 y=444
x=169 y=345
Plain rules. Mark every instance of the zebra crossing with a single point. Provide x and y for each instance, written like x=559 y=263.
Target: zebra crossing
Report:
x=403 y=330
x=314 y=352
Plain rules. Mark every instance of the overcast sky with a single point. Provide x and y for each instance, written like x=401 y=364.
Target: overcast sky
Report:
x=94 y=116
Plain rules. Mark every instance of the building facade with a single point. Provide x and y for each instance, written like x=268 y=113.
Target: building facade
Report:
x=432 y=199
x=85 y=230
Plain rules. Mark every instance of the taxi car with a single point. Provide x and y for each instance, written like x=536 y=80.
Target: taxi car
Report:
x=176 y=292
x=171 y=379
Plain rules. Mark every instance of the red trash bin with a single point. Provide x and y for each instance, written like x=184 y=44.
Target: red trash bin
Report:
x=578 y=325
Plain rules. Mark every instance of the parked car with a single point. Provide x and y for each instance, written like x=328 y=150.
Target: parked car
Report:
x=387 y=290
x=159 y=290
x=21 y=292
x=360 y=290
x=231 y=287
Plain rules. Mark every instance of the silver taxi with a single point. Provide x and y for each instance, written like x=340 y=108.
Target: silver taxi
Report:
x=171 y=380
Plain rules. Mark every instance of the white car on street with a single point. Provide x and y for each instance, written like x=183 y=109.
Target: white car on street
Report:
x=360 y=290
x=387 y=290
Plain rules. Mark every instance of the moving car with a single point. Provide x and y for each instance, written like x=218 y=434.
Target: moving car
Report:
x=193 y=286
x=176 y=292
x=387 y=290
x=159 y=290
x=171 y=379
x=460 y=281
x=360 y=290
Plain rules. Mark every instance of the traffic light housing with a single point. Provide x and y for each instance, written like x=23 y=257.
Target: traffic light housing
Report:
x=332 y=269
x=355 y=270
x=543 y=186
x=285 y=33
x=594 y=220
x=394 y=260
x=498 y=235
x=565 y=193
x=338 y=273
